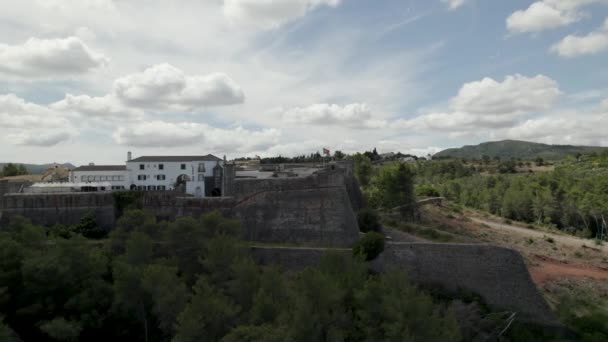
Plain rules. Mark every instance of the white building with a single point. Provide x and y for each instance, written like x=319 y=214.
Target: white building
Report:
x=196 y=175
x=116 y=175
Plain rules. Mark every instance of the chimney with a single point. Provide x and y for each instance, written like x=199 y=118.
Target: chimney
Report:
x=129 y=156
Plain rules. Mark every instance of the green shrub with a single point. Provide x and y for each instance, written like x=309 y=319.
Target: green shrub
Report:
x=368 y=220
x=125 y=200
x=369 y=246
x=427 y=191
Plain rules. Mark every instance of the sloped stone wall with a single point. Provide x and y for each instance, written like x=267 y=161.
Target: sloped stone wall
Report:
x=498 y=275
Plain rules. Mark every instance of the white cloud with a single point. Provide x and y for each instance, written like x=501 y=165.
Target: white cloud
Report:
x=47 y=57
x=160 y=134
x=25 y=123
x=546 y=14
x=592 y=43
x=577 y=128
x=355 y=115
x=105 y=107
x=165 y=86
x=267 y=14
x=516 y=94
x=39 y=138
x=604 y=105
x=488 y=104
x=168 y=134
x=454 y=4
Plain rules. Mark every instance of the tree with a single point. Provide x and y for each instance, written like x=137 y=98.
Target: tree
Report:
x=368 y=220
x=339 y=155
x=208 y=317
x=61 y=329
x=369 y=246
x=539 y=161
x=394 y=187
x=363 y=169
x=11 y=170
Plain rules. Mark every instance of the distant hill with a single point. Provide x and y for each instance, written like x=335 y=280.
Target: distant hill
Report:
x=38 y=168
x=507 y=149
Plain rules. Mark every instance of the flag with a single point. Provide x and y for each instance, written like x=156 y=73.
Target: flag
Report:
x=325 y=151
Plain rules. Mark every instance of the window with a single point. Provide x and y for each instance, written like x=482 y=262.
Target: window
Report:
x=161 y=166
x=151 y=187
x=121 y=178
x=141 y=177
x=201 y=178
x=114 y=178
x=162 y=187
x=183 y=167
x=83 y=178
x=90 y=178
x=201 y=167
x=96 y=178
x=102 y=178
x=142 y=166
x=160 y=177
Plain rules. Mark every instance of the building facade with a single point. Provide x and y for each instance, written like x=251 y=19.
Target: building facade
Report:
x=116 y=175
x=196 y=175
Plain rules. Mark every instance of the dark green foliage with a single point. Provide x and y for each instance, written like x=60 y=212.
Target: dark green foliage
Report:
x=88 y=228
x=10 y=170
x=363 y=169
x=368 y=220
x=193 y=280
x=573 y=197
x=369 y=246
x=427 y=190
x=126 y=200
x=393 y=187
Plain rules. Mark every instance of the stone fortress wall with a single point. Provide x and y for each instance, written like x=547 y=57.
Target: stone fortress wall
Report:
x=315 y=210
x=498 y=275
x=311 y=210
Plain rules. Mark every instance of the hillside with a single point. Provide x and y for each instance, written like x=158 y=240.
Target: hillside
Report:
x=38 y=168
x=507 y=149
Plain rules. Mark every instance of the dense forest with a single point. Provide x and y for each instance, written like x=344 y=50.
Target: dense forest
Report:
x=573 y=197
x=193 y=280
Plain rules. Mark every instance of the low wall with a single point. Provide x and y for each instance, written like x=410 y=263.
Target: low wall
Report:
x=244 y=188
x=496 y=274
x=67 y=209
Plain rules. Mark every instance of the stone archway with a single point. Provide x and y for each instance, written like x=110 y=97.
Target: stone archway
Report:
x=182 y=180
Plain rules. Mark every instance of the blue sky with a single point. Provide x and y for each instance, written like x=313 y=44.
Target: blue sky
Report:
x=89 y=80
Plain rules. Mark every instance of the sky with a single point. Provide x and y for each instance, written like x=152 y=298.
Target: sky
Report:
x=88 y=80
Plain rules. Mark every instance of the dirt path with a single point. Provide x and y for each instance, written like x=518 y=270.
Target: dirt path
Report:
x=545 y=269
x=562 y=239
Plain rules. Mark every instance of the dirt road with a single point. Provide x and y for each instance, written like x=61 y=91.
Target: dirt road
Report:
x=572 y=241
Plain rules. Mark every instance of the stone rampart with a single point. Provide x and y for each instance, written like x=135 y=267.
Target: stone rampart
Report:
x=65 y=208
x=318 y=216
x=498 y=275
x=244 y=188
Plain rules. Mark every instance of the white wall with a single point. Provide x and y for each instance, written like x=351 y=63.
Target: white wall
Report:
x=111 y=177
x=171 y=171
